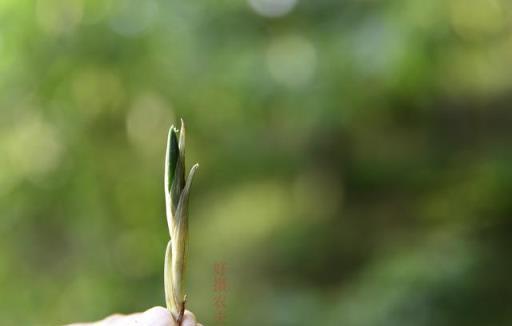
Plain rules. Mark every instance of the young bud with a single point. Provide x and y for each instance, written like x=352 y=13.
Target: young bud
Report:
x=177 y=191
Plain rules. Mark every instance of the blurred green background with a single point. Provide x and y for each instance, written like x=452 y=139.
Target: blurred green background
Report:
x=355 y=159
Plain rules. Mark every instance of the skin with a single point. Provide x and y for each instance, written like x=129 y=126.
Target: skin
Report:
x=156 y=316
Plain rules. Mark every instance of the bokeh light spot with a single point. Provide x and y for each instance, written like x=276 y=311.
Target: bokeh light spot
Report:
x=57 y=17
x=96 y=89
x=477 y=18
x=131 y=18
x=147 y=123
x=291 y=60
x=272 y=8
x=32 y=146
x=379 y=47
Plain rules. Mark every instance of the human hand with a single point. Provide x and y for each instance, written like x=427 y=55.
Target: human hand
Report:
x=156 y=316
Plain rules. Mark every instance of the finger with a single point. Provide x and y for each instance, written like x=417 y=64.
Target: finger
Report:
x=157 y=316
x=188 y=319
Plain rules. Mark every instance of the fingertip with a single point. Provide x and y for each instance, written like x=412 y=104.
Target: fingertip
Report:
x=188 y=319
x=156 y=310
x=158 y=316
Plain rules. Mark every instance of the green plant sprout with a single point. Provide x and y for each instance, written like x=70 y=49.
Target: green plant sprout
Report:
x=177 y=189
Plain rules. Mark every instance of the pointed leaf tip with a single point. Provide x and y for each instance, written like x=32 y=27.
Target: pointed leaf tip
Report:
x=172 y=156
x=182 y=140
